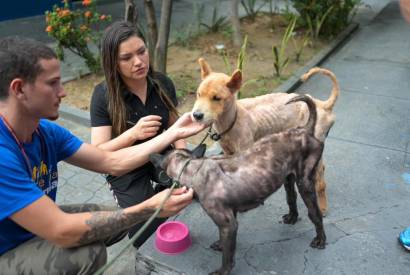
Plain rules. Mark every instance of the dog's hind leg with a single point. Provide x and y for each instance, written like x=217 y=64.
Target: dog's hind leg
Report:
x=320 y=186
x=309 y=198
x=228 y=227
x=291 y=196
x=308 y=193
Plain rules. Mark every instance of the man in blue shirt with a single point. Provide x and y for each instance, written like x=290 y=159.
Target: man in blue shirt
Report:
x=35 y=233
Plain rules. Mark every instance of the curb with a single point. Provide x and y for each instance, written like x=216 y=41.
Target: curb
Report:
x=75 y=115
x=83 y=117
x=294 y=81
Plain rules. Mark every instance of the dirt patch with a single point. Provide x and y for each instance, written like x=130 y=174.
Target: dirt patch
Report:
x=183 y=68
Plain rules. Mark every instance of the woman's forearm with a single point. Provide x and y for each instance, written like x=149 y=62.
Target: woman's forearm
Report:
x=122 y=141
x=125 y=160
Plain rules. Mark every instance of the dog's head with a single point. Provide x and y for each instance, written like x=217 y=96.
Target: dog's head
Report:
x=171 y=163
x=216 y=93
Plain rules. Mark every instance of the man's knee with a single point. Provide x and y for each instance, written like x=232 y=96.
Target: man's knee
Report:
x=83 y=260
x=39 y=256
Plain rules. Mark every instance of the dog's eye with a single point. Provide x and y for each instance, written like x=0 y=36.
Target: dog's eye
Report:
x=216 y=98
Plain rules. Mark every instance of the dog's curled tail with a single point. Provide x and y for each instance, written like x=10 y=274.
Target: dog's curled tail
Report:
x=330 y=102
x=311 y=123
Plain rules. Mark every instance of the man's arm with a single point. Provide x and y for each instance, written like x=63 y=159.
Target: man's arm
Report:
x=122 y=161
x=44 y=219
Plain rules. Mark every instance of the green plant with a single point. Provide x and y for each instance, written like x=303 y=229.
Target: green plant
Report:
x=183 y=37
x=315 y=24
x=75 y=30
x=217 y=22
x=299 y=47
x=335 y=20
x=222 y=51
x=251 y=9
x=280 y=60
x=240 y=61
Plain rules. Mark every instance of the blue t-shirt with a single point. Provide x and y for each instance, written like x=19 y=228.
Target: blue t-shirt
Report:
x=18 y=188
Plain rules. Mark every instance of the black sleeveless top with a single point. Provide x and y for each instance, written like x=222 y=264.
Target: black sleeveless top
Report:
x=135 y=109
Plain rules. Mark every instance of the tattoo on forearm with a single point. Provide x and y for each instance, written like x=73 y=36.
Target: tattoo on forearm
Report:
x=105 y=224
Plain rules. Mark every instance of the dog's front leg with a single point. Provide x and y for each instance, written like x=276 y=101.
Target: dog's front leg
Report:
x=228 y=227
x=217 y=244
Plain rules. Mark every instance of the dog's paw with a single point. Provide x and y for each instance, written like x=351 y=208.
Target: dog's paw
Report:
x=318 y=243
x=290 y=218
x=216 y=246
x=222 y=271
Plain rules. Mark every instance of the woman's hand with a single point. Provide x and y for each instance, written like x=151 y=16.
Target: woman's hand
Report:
x=146 y=127
x=405 y=9
x=179 y=199
x=184 y=127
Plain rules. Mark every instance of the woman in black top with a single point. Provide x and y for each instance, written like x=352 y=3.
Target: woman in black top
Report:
x=132 y=105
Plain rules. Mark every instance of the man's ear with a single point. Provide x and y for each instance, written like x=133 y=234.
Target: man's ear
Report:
x=205 y=68
x=199 y=151
x=235 y=83
x=16 y=87
x=156 y=159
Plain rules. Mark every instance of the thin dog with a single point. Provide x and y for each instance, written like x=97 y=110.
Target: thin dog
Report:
x=239 y=123
x=227 y=184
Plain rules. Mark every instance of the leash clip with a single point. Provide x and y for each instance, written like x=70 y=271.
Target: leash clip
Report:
x=215 y=136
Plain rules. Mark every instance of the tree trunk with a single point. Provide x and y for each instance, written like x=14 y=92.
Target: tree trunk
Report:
x=163 y=35
x=152 y=28
x=237 y=36
x=130 y=12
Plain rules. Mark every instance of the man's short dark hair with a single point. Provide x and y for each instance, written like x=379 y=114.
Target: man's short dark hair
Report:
x=19 y=58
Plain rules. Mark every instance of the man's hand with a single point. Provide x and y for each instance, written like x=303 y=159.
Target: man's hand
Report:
x=146 y=127
x=178 y=200
x=184 y=127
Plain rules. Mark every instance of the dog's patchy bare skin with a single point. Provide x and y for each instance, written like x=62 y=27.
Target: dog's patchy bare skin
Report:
x=253 y=118
x=225 y=185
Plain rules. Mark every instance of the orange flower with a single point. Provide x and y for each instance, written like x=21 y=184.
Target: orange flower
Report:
x=88 y=14
x=49 y=29
x=87 y=3
x=65 y=13
x=103 y=17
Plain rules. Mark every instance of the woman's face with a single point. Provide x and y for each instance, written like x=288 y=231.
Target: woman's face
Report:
x=133 y=59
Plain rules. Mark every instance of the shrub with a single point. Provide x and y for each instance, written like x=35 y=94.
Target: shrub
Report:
x=76 y=29
x=336 y=14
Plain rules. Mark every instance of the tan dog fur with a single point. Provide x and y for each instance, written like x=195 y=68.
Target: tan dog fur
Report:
x=258 y=116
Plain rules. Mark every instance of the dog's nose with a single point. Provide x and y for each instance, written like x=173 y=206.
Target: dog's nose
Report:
x=198 y=116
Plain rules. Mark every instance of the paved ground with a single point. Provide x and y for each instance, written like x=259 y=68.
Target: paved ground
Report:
x=368 y=169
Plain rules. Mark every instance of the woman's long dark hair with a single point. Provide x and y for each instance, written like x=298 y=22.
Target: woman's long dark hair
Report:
x=113 y=36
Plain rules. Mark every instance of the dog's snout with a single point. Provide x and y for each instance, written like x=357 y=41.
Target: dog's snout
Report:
x=198 y=116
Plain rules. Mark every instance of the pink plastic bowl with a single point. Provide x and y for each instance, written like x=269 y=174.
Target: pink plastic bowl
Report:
x=172 y=238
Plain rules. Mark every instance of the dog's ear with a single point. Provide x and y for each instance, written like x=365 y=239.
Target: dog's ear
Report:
x=199 y=151
x=235 y=82
x=205 y=68
x=156 y=159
